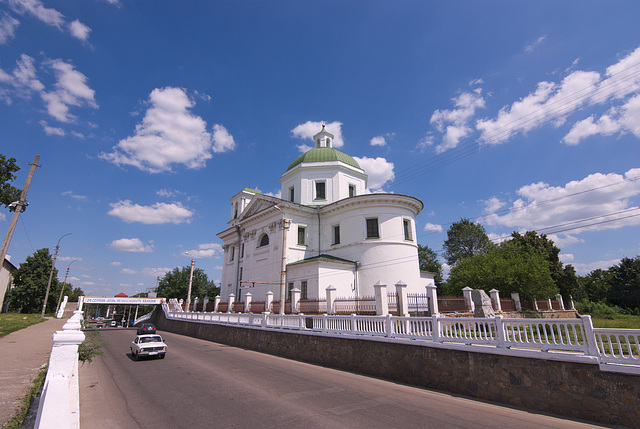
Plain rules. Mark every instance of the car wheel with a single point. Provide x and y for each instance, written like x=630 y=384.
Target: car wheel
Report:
x=162 y=356
x=136 y=356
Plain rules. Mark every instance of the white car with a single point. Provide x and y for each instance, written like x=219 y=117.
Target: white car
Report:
x=148 y=345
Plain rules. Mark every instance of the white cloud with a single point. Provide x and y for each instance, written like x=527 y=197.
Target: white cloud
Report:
x=8 y=25
x=131 y=245
x=378 y=141
x=71 y=90
x=36 y=8
x=166 y=193
x=378 y=170
x=566 y=257
x=79 y=30
x=51 y=131
x=311 y=128
x=222 y=140
x=158 y=213
x=602 y=265
x=549 y=102
x=170 y=134
x=454 y=123
x=70 y=194
x=206 y=250
x=597 y=202
x=624 y=119
x=534 y=45
x=115 y=263
x=432 y=227
x=493 y=204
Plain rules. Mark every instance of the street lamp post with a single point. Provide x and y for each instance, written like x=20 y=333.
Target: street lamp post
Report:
x=190 y=282
x=46 y=295
x=63 y=283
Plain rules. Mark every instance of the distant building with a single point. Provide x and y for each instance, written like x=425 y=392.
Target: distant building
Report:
x=6 y=282
x=335 y=233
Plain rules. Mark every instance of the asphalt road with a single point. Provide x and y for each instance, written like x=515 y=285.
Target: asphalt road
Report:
x=206 y=384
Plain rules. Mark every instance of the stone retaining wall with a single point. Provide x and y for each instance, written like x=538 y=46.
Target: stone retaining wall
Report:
x=574 y=390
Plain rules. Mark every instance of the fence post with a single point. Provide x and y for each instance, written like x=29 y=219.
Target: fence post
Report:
x=549 y=305
x=247 y=302
x=295 y=300
x=263 y=322
x=560 y=301
x=353 y=323
x=535 y=304
x=268 y=301
x=466 y=292
x=435 y=333
x=324 y=322
x=572 y=304
x=432 y=293
x=590 y=336
x=382 y=301
x=501 y=334
x=232 y=298
x=331 y=297
x=195 y=304
x=205 y=301
x=495 y=296
x=403 y=307
x=389 y=326
x=216 y=303
x=515 y=296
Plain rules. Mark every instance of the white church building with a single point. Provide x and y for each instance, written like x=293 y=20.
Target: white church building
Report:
x=326 y=230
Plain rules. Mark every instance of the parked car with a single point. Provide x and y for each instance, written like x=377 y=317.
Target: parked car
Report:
x=113 y=324
x=148 y=345
x=147 y=328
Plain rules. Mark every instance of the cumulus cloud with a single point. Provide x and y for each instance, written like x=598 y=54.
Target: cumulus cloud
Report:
x=159 y=213
x=583 y=269
x=50 y=17
x=71 y=89
x=131 y=245
x=206 y=250
x=378 y=141
x=454 y=124
x=432 y=227
x=170 y=134
x=8 y=25
x=311 y=128
x=79 y=30
x=597 y=202
x=51 y=131
x=378 y=170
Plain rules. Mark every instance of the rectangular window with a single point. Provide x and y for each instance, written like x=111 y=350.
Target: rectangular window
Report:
x=242 y=251
x=336 y=234
x=407 y=229
x=232 y=253
x=292 y=194
x=372 y=228
x=302 y=233
x=352 y=190
x=321 y=191
x=303 y=289
x=289 y=289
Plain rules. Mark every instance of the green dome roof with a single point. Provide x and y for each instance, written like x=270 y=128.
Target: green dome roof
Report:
x=324 y=154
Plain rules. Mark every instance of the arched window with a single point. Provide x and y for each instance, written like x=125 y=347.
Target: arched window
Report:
x=264 y=240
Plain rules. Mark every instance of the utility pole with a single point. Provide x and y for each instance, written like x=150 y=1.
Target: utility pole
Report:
x=21 y=204
x=53 y=266
x=190 y=282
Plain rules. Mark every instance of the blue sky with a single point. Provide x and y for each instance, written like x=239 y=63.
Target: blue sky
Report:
x=149 y=115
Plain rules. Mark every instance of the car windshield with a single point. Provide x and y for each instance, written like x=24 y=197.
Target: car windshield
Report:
x=151 y=340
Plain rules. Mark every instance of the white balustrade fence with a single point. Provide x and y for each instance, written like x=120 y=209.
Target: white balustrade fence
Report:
x=609 y=346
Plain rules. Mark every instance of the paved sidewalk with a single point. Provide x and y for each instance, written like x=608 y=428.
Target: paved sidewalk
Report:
x=22 y=354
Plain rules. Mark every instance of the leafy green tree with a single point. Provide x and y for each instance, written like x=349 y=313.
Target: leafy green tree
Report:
x=547 y=249
x=175 y=284
x=507 y=268
x=8 y=193
x=30 y=281
x=594 y=286
x=568 y=285
x=428 y=260
x=465 y=239
x=625 y=283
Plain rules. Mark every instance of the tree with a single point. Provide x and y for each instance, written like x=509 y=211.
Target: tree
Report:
x=30 y=281
x=8 y=193
x=507 y=268
x=625 y=283
x=465 y=239
x=594 y=286
x=547 y=249
x=428 y=260
x=175 y=284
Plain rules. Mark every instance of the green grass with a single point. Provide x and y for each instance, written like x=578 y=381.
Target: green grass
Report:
x=11 y=322
x=16 y=421
x=619 y=321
